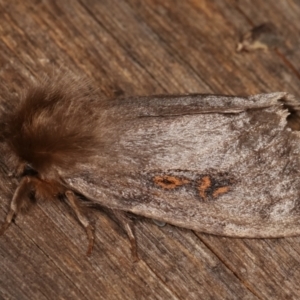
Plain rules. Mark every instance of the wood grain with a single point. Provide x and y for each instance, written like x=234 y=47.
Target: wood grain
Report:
x=141 y=48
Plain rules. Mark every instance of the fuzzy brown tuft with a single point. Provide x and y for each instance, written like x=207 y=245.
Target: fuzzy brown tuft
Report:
x=58 y=127
x=57 y=124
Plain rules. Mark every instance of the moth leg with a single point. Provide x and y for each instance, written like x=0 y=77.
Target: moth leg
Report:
x=128 y=225
x=75 y=205
x=19 y=197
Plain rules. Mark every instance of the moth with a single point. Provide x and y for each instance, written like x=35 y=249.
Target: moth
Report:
x=224 y=165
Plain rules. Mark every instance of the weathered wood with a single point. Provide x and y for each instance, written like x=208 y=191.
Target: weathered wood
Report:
x=134 y=48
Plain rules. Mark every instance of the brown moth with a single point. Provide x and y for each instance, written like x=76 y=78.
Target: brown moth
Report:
x=224 y=165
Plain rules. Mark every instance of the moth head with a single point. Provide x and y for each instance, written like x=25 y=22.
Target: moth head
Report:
x=55 y=130
x=53 y=127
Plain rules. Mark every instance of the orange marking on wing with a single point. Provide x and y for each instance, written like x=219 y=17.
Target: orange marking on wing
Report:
x=205 y=184
x=220 y=191
x=169 y=182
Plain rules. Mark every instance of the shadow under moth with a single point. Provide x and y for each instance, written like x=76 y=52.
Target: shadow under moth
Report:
x=223 y=165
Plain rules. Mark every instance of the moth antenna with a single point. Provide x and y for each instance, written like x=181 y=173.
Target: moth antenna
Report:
x=73 y=202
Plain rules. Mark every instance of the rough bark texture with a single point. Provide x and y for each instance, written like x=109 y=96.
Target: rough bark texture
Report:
x=132 y=48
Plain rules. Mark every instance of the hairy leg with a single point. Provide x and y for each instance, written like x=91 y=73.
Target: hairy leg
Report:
x=75 y=205
x=128 y=226
x=20 y=196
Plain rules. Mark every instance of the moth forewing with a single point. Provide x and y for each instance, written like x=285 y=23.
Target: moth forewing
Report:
x=229 y=167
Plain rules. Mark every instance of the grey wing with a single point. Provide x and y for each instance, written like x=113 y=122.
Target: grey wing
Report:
x=229 y=166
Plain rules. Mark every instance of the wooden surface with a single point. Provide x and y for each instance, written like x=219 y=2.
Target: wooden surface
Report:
x=139 y=48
